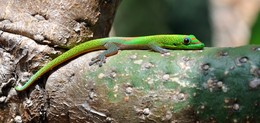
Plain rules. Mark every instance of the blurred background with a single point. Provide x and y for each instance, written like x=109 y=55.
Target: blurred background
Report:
x=219 y=23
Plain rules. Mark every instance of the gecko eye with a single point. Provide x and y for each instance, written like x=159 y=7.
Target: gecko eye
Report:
x=186 y=41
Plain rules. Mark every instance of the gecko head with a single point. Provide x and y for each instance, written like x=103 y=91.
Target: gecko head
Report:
x=185 y=42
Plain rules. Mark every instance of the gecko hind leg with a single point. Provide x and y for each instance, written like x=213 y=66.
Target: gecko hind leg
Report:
x=112 y=49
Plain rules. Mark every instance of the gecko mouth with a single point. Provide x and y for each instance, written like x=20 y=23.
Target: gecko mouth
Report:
x=193 y=46
x=197 y=42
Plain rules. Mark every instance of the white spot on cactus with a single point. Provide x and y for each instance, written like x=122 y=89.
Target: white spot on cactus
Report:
x=194 y=94
x=205 y=67
x=213 y=84
x=226 y=100
x=254 y=83
x=166 y=77
x=224 y=89
x=101 y=75
x=166 y=54
x=255 y=71
x=235 y=121
x=112 y=74
x=150 y=81
x=226 y=72
x=138 y=61
x=241 y=60
x=236 y=106
x=220 y=84
x=133 y=57
x=202 y=107
x=116 y=88
x=147 y=65
x=257 y=49
x=181 y=96
x=184 y=64
x=128 y=90
x=168 y=116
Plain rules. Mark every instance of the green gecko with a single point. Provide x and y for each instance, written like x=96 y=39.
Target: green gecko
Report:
x=111 y=45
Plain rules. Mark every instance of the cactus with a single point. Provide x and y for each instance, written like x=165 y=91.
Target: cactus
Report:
x=214 y=84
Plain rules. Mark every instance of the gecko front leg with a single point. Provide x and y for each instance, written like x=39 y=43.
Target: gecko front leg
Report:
x=157 y=48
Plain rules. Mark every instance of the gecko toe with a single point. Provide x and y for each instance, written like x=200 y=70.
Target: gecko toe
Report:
x=100 y=64
x=93 y=58
x=91 y=63
x=102 y=61
x=164 y=51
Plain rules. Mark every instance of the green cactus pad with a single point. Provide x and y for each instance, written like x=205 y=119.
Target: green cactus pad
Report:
x=214 y=84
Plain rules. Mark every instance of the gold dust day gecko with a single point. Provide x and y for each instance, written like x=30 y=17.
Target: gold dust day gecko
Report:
x=111 y=45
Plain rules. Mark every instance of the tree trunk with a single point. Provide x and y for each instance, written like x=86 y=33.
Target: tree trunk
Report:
x=32 y=32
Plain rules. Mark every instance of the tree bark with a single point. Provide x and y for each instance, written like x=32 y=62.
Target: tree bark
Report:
x=34 y=32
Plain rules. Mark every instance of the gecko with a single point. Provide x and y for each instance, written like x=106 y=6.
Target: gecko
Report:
x=111 y=45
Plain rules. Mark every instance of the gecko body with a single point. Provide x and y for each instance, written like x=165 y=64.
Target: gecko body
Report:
x=111 y=45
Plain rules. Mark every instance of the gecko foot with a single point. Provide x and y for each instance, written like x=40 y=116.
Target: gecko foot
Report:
x=100 y=60
x=163 y=51
x=158 y=48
